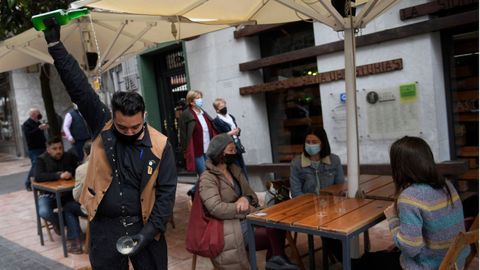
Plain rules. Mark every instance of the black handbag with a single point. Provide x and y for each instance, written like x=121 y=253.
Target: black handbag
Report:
x=238 y=144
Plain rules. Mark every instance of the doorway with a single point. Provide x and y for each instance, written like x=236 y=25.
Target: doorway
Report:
x=172 y=87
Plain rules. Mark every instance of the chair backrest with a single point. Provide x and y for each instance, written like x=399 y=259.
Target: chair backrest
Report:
x=474 y=225
x=462 y=240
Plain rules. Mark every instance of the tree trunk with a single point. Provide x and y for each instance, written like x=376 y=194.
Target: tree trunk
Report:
x=54 y=129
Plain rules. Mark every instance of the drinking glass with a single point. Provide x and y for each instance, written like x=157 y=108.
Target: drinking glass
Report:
x=321 y=204
x=341 y=205
x=125 y=244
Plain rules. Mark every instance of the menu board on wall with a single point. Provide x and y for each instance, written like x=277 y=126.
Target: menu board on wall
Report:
x=391 y=112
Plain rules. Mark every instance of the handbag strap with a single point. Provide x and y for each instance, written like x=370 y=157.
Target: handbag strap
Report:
x=197 y=195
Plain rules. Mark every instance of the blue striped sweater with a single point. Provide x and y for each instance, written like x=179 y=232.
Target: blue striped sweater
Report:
x=426 y=225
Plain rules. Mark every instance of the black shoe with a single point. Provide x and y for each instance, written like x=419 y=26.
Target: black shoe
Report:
x=191 y=193
x=75 y=246
x=280 y=263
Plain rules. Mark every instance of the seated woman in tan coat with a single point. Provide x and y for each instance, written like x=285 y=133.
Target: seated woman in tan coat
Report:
x=226 y=195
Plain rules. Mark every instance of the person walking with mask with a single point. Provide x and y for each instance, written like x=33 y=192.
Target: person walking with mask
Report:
x=196 y=131
x=225 y=123
x=131 y=178
x=33 y=131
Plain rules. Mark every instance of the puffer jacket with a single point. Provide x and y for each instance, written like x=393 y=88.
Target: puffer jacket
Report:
x=219 y=197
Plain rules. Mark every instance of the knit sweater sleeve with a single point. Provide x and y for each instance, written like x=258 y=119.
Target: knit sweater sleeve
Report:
x=407 y=227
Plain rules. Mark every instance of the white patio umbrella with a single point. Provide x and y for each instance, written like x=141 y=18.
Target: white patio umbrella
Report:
x=111 y=35
x=276 y=11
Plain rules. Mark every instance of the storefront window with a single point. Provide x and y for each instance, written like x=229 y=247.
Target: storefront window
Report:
x=290 y=111
x=461 y=48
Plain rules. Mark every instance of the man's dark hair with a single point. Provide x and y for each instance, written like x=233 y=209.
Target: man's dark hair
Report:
x=128 y=103
x=53 y=140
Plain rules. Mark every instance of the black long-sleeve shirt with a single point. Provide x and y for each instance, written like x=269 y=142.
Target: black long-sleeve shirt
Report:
x=48 y=169
x=127 y=185
x=34 y=136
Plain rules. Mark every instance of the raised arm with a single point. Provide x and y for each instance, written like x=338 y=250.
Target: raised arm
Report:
x=96 y=113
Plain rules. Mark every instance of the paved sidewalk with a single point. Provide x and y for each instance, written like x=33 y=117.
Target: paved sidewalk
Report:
x=20 y=245
x=15 y=257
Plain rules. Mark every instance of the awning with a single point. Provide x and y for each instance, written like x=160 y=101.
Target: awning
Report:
x=111 y=35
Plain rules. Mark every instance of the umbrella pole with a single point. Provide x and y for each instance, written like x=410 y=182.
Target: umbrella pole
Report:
x=352 y=123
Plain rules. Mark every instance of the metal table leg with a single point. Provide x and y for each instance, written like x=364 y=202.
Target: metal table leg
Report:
x=325 y=254
x=346 y=253
x=366 y=241
x=251 y=246
x=60 y=220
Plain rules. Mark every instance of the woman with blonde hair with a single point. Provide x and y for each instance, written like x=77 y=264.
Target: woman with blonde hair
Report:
x=196 y=131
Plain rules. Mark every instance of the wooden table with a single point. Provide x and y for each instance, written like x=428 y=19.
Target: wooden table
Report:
x=300 y=215
x=378 y=187
x=56 y=187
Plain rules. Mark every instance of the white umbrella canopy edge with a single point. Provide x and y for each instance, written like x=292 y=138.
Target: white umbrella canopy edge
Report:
x=211 y=11
x=258 y=11
x=111 y=35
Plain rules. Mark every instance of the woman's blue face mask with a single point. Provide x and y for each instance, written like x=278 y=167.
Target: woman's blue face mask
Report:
x=198 y=102
x=312 y=149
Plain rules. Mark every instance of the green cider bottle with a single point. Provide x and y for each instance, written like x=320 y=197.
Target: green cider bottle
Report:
x=61 y=16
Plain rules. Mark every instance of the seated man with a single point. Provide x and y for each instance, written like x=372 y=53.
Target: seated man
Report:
x=53 y=165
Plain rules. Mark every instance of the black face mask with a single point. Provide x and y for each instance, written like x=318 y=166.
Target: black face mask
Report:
x=127 y=139
x=230 y=158
x=223 y=111
x=39 y=117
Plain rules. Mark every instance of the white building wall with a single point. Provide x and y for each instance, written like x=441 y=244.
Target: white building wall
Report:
x=422 y=63
x=28 y=94
x=213 y=61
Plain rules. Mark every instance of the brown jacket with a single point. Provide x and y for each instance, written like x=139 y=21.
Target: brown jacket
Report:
x=218 y=197
x=99 y=175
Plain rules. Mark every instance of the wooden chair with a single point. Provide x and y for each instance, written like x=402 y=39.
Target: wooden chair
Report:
x=461 y=241
x=48 y=226
x=292 y=243
x=474 y=246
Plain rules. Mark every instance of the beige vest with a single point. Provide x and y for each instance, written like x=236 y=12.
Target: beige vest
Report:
x=99 y=175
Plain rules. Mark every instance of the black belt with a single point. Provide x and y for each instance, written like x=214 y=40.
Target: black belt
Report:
x=129 y=220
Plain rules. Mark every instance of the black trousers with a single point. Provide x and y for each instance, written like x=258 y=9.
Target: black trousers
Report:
x=104 y=233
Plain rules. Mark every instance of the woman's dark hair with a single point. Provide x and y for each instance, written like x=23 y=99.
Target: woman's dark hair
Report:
x=128 y=103
x=412 y=161
x=322 y=135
